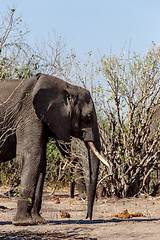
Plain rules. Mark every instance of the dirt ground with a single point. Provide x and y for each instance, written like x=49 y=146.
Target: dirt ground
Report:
x=103 y=226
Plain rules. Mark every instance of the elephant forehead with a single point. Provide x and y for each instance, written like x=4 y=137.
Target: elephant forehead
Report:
x=84 y=97
x=87 y=108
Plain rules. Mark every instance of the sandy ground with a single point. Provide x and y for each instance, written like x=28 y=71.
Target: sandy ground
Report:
x=103 y=225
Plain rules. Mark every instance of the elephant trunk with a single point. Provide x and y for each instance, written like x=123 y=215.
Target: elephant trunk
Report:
x=94 y=165
x=92 y=140
x=91 y=137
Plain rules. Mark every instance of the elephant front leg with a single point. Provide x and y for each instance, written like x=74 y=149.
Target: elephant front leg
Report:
x=38 y=197
x=30 y=159
x=26 y=197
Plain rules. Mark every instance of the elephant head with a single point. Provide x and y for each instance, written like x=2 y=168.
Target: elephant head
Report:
x=68 y=110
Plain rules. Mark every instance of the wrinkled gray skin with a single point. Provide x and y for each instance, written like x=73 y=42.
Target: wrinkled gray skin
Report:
x=37 y=108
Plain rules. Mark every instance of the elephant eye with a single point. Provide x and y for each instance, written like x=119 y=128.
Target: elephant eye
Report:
x=80 y=113
x=85 y=119
x=89 y=119
x=80 y=117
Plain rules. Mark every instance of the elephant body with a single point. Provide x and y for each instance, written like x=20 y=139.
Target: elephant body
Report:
x=31 y=110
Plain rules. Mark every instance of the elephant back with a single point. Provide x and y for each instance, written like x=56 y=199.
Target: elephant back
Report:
x=7 y=87
x=15 y=95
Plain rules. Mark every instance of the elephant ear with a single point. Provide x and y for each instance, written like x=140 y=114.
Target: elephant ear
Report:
x=52 y=106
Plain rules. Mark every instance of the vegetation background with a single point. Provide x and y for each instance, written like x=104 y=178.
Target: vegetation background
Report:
x=125 y=90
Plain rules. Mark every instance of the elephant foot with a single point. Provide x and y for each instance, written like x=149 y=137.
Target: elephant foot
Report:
x=38 y=219
x=23 y=216
x=23 y=220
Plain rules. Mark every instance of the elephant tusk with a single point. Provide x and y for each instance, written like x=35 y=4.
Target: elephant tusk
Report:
x=94 y=150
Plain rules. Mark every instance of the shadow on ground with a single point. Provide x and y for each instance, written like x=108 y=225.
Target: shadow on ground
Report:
x=98 y=221
x=27 y=235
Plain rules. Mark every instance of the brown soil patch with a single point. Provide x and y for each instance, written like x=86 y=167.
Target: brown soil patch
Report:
x=125 y=214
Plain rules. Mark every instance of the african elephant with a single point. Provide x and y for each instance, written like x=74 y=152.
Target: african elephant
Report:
x=31 y=110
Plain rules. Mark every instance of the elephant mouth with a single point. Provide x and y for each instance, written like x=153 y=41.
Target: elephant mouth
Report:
x=76 y=133
x=83 y=135
x=97 y=154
